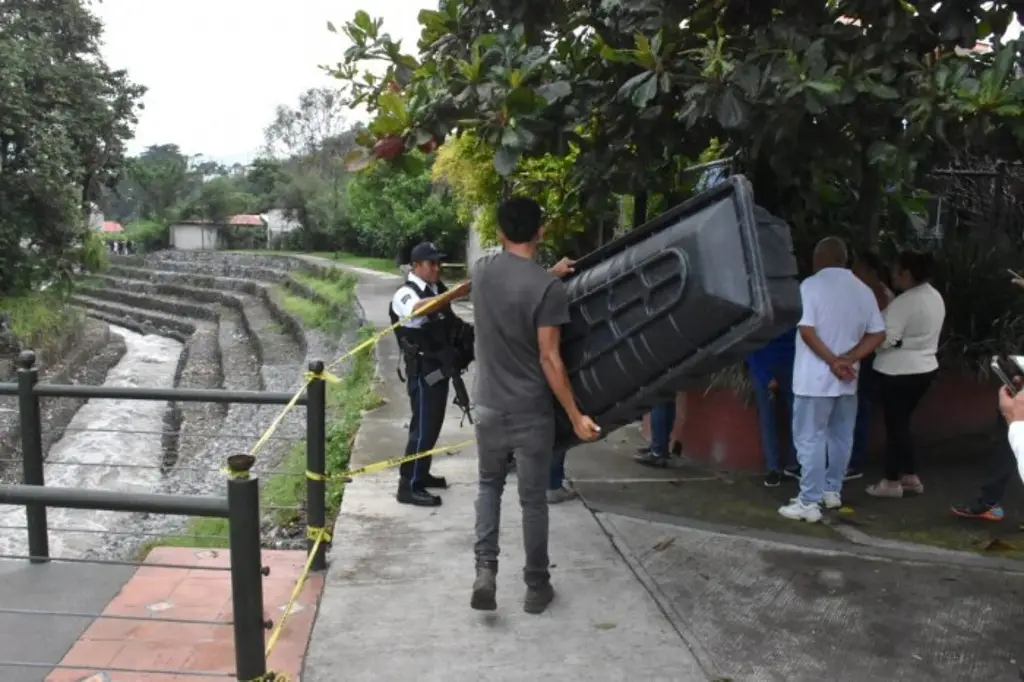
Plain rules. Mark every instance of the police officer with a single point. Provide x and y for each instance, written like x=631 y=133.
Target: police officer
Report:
x=423 y=340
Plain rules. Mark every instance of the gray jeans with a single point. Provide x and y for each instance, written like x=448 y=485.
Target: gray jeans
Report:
x=531 y=437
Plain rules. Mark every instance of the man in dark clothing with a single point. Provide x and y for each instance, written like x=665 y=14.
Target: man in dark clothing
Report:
x=422 y=338
x=518 y=310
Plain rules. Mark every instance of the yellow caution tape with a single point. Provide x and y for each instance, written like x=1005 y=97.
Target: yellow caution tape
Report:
x=319 y=535
x=396 y=461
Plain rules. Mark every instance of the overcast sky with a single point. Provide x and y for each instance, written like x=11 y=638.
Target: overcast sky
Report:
x=217 y=69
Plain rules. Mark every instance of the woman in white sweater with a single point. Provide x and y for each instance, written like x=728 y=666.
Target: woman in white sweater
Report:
x=906 y=366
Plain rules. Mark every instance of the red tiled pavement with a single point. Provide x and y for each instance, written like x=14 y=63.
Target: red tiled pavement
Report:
x=157 y=593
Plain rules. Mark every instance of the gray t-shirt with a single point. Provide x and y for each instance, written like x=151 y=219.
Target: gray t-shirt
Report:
x=512 y=297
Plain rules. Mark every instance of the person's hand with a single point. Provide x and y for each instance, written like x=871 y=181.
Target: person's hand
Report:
x=843 y=369
x=460 y=291
x=773 y=385
x=1012 y=406
x=1018 y=281
x=563 y=267
x=585 y=428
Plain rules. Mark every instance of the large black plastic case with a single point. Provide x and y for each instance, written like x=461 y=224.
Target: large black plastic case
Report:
x=690 y=292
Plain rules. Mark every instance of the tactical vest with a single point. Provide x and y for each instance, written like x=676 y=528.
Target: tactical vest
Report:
x=432 y=336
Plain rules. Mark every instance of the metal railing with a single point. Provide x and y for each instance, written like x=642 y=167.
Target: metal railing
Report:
x=240 y=506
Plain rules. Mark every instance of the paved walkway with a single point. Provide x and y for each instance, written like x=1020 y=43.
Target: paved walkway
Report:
x=396 y=605
x=108 y=649
x=640 y=596
x=52 y=587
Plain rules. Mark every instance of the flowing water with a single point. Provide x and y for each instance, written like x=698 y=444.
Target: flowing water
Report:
x=98 y=439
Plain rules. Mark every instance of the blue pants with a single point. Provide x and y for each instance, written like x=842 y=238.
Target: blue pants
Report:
x=823 y=436
x=866 y=382
x=427 y=404
x=557 y=475
x=663 y=419
x=768 y=418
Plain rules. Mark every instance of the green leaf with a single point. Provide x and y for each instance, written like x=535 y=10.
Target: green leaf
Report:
x=331 y=27
x=432 y=19
x=882 y=91
x=522 y=101
x=827 y=86
x=881 y=152
x=640 y=89
x=732 y=111
x=553 y=92
x=505 y=161
x=610 y=54
x=363 y=21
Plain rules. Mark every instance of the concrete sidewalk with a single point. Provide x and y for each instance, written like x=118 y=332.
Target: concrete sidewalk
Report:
x=640 y=597
x=396 y=598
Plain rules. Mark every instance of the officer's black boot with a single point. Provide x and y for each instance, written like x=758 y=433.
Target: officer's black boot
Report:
x=417 y=496
x=485 y=587
x=431 y=481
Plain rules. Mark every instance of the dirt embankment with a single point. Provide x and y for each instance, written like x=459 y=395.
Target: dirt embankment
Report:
x=83 y=355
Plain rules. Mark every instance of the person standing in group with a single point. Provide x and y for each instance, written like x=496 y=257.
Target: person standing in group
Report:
x=840 y=326
x=771 y=372
x=663 y=421
x=422 y=339
x=870 y=269
x=558 y=488
x=906 y=365
x=519 y=309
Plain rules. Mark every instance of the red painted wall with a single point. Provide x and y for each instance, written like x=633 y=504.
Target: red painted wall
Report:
x=716 y=427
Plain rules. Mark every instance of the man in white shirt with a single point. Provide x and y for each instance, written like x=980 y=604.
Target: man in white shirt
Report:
x=840 y=326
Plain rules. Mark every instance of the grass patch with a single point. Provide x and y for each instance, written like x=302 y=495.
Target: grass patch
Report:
x=37 y=319
x=310 y=313
x=369 y=262
x=335 y=287
x=286 y=485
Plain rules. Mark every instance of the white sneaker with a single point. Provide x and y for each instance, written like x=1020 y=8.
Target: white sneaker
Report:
x=832 y=500
x=798 y=511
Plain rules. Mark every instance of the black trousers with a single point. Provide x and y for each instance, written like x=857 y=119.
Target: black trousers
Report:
x=900 y=395
x=428 y=405
x=1004 y=470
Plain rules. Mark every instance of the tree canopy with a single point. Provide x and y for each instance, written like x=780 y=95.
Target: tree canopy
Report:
x=834 y=109
x=64 y=119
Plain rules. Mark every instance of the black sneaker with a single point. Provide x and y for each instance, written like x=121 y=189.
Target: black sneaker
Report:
x=418 y=497
x=773 y=479
x=652 y=460
x=852 y=474
x=429 y=481
x=485 y=589
x=643 y=450
x=792 y=471
x=538 y=597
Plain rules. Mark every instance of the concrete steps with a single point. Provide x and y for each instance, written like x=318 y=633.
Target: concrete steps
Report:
x=179 y=307
x=278 y=338
x=137 y=319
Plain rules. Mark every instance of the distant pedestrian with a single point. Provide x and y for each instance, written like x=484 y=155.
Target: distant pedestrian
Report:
x=518 y=309
x=840 y=326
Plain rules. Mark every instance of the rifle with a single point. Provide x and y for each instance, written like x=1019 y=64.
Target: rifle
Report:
x=448 y=370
